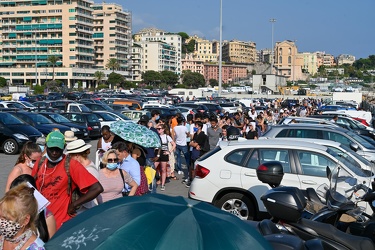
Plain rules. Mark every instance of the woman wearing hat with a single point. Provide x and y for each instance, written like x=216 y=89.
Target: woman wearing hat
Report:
x=79 y=151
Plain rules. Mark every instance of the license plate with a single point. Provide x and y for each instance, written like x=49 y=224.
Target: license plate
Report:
x=95 y=126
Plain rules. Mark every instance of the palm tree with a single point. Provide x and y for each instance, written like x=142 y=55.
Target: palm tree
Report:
x=53 y=61
x=99 y=76
x=113 y=64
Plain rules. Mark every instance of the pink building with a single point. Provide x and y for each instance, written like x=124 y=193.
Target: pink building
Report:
x=228 y=72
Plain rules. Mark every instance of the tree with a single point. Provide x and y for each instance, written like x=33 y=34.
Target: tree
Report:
x=38 y=89
x=183 y=35
x=190 y=46
x=54 y=86
x=52 y=60
x=99 y=76
x=151 y=77
x=113 y=64
x=213 y=82
x=192 y=79
x=3 y=82
x=115 y=79
x=169 y=77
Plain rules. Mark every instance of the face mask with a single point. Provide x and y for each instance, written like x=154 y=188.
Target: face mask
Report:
x=111 y=166
x=8 y=228
x=158 y=117
x=41 y=148
x=30 y=164
x=195 y=129
x=56 y=161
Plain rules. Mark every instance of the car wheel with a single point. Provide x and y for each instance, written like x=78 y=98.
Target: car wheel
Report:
x=238 y=205
x=10 y=147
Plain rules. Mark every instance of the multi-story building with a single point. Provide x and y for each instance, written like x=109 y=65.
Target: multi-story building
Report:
x=205 y=50
x=345 y=59
x=288 y=62
x=137 y=53
x=310 y=63
x=239 y=52
x=112 y=37
x=229 y=73
x=154 y=35
x=194 y=65
x=264 y=55
x=324 y=59
x=31 y=31
x=158 y=56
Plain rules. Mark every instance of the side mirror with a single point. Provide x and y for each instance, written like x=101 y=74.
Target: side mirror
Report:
x=354 y=147
x=271 y=172
x=100 y=119
x=328 y=172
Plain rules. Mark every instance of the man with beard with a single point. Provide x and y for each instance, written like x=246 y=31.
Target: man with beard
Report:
x=53 y=179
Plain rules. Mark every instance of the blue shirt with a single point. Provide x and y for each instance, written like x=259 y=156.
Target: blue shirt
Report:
x=131 y=166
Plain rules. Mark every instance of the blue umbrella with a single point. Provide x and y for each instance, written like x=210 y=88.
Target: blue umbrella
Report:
x=156 y=222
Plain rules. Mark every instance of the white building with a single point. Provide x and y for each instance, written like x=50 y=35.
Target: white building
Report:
x=159 y=56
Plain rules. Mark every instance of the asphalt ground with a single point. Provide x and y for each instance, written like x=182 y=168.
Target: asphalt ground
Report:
x=172 y=187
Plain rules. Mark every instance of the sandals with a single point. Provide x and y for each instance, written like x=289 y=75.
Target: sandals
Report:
x=174 y=178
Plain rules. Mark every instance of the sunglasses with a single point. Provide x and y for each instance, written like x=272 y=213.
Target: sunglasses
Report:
x=112 y=160
x=159 y=128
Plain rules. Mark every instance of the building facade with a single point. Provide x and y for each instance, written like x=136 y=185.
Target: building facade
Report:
x=288 y=62
x=239 y=52
x=158 y=56
x=205 y=50
x=148 y=35
x=345 y=59
x=137 y=53
x=194 y=65
x=310 y=63
x=229 y=73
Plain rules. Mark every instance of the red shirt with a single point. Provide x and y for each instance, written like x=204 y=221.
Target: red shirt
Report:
x=53 y=183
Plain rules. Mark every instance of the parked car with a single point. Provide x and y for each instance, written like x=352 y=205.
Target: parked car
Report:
x=97 y=106
x=135 y=115
x=233 y=185
x=214 y=108
x=105 y=118
x=117 y=116
x=40 y=122
x=88 y=120
x=346 y=137
x=14 y=133
x=197 y=106
x=165 y=113
x=12 y=105
x=80 y=131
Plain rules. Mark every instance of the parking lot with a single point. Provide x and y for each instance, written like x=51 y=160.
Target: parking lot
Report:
x=173 y=188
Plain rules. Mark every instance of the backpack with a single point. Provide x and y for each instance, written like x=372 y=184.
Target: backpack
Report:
x=76 y=194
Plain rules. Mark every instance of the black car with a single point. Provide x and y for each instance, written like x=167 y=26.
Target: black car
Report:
x=88 y=120
x=348 y=122
x=97 y=106
x=165 y=113
x=80 y=131
x=14 y=133
x=40 y=122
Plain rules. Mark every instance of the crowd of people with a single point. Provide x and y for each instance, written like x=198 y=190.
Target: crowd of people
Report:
x=60 y=169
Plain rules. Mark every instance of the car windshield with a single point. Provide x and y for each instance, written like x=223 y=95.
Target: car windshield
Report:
x=27 y=104
x=85 y=109
x=358 y=124
x=8 y=119
x=358 y=171
x=40 y=119
x=122 y=116
x=17 y=105
x=106 y=117
x=361 y=140
x=58 y=118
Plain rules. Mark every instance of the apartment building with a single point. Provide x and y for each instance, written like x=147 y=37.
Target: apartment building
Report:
x=310 y=63
x=159 y=56
x=112 y=36
x=137 y=53
x=194 y=65
x=288 y=62
x=326 y=60
x=345 y=59
x=229 y=73
x=239 y=52
x=145 y=36
x=205 y=50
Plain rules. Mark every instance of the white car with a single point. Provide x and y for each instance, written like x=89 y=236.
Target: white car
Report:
x=226 y=176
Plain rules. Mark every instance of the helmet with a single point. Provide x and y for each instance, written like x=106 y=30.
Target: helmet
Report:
x=233 y=133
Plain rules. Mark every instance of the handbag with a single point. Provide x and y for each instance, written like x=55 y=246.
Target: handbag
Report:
x=124 y=192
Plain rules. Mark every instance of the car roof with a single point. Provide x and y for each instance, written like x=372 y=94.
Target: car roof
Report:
x=309 y=140
x=272 y=143
x=309 y=125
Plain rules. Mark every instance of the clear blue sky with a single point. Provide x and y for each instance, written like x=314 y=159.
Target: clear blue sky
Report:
x=334 y=26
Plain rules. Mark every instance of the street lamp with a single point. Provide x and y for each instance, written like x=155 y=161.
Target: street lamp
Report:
x=220 y=45
x=272 y=20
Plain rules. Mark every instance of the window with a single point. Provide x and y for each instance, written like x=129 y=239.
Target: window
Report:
x=237 y=157
x=305 y=133
x=280 y=59
x=260 y=156
x=314 y=164
x=289 y=59
x=72 y=10
x=333 y=136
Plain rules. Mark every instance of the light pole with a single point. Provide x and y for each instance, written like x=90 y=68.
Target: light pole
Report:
x=272 y=20
x=220 y=45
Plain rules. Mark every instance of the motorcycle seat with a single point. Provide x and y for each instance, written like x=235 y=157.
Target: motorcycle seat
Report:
x=329 y=232
x=267 y=227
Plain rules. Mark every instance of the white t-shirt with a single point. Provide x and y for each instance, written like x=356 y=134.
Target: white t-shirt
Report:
x=180 y=135
x=192 y=126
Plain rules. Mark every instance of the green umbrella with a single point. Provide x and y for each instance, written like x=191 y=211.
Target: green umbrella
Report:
x=156 y=222
x=136 y=133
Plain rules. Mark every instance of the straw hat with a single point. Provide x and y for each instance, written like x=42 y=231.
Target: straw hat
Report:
x=77 y=146
x=69 y=136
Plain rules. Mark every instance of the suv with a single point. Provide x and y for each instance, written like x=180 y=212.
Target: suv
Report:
x=363 y=147
x=233 y=186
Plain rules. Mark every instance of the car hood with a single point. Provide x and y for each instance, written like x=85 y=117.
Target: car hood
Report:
x=25 y=129
x=72 y=124
x=47 y=128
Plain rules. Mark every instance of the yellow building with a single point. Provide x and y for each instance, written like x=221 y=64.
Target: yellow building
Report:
x=205 y=50
x=239 y=52
x=288 y=62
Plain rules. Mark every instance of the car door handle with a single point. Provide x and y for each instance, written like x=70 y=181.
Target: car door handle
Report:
x=309 y=182
x=250 y=174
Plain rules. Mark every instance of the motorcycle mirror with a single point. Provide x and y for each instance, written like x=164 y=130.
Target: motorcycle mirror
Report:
x=328 y=172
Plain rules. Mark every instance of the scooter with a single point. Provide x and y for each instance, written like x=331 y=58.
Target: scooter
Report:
x=286 y=205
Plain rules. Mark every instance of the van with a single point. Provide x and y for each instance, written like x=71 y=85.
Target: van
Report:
x=132 y=104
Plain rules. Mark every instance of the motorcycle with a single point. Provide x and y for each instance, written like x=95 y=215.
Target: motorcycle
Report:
x=287 y=204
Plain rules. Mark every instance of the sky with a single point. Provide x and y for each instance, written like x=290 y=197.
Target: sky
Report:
x=333 y=26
